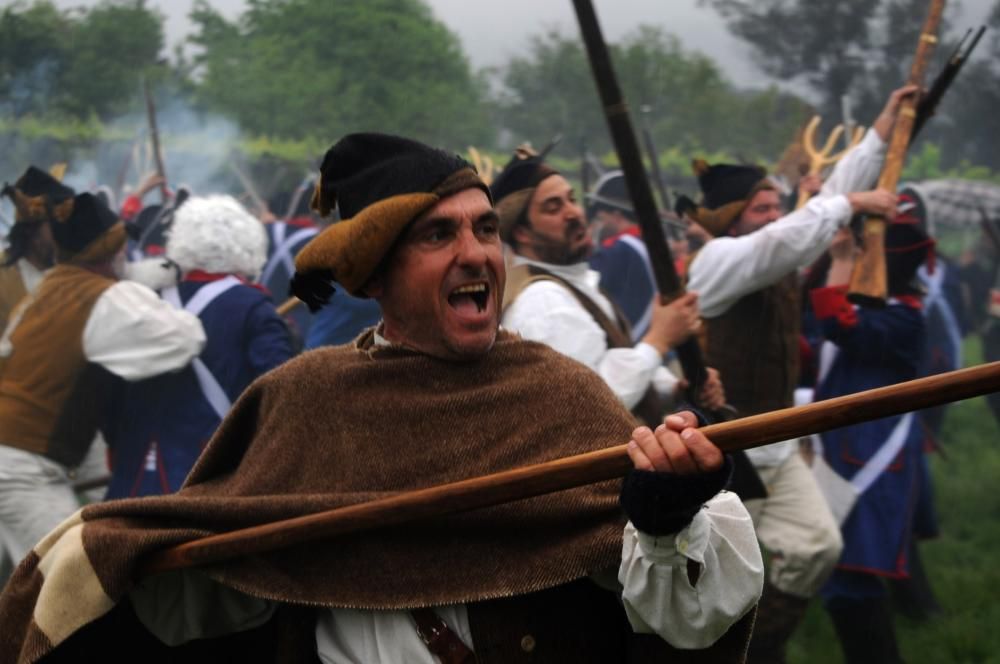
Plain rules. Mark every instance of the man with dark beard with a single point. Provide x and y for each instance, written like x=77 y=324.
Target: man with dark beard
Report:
x=553 y=296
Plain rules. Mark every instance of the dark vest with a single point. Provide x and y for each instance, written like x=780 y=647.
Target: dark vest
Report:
x=580 y=622
x=651 y=408
x=51 y=396
x=755 y=347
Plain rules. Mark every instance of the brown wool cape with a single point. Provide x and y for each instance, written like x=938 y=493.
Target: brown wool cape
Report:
x=340 y=426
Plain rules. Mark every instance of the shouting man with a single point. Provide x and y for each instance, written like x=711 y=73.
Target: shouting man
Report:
x=434 y=394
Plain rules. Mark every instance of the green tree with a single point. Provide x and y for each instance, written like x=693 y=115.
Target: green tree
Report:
x=33 y=50
x=308 y=68
x=865 y=49
x=824 y=44
x=550 y=91
x=77 y=62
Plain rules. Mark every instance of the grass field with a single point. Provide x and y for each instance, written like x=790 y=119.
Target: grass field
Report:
x=963 y=564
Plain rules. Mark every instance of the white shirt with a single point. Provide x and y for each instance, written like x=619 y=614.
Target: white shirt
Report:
x=134 y=334
x=548 y=313
x=130 y=332
x=657 y=595
x=727 y=268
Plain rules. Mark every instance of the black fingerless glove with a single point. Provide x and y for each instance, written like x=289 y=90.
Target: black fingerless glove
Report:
x=664 y=503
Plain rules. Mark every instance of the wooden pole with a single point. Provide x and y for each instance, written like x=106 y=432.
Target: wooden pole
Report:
x=869 y=281
x=574 y=471
x=288 y=306
x=154 y=137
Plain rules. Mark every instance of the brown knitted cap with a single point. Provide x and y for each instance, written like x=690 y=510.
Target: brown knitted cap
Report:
x=379 y=183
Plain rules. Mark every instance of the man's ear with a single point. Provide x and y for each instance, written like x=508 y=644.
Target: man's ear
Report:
x=521 y=234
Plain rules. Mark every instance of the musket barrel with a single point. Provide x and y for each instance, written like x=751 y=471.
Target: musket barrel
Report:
x=154 y=137
x=623 y=136
x=575 y=471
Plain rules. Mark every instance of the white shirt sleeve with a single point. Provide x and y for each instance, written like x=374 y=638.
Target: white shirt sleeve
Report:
x=134 y=334
x=859 y=169
x=657 y=593
x=548 y=313
x=727 y=268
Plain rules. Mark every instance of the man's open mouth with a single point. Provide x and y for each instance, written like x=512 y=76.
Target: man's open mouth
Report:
x=471 y=298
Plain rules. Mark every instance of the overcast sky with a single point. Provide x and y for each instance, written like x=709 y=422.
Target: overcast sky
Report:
x=491 y=30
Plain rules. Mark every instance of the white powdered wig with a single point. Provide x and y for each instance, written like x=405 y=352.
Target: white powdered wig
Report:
x=216 y=234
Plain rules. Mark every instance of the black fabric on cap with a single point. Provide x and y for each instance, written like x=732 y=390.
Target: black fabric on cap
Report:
x=725 y=183
x=364 y=168
x=35 y=183
x=907 y=245
x=88 y=221
x=518 y=174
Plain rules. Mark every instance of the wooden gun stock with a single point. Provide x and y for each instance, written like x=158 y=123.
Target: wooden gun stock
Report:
x=869 y=282
x=573 y=471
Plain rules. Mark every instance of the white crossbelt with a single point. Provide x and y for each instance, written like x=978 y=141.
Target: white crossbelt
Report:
x=842 y=494
x=210 y=387
x=283 y=249
x=935 y=299
x=644 y=321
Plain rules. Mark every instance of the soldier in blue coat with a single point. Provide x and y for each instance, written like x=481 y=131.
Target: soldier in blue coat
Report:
x=161 y=424
x=877 y=463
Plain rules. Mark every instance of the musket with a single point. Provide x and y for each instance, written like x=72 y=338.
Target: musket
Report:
x=573 y=471
x=297 y=195
x=154 y=137
x=654 y=160
x=647 y=214
x=123 y=171
x=288 y=306
x=848 y=120
x=247 y=185
x=5 y=222
x=595 y=164
x=929 y=102
x=869 y=283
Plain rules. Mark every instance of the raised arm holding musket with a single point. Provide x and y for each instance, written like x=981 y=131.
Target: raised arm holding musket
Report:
x=748 y=292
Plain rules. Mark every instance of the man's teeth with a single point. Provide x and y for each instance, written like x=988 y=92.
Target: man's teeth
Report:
x=474 y=288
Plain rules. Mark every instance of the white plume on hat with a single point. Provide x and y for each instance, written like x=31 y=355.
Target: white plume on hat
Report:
x=216 y=234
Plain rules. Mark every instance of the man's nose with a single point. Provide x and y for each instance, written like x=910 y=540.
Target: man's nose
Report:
x=469 y=250
x=574 y=211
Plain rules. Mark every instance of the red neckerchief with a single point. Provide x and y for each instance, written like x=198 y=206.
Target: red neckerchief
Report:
x=631 y=230
x=301 y=222
x=913 y=301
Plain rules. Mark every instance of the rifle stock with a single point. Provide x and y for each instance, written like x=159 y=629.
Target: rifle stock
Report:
x=869 y=283
x=574 y=471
